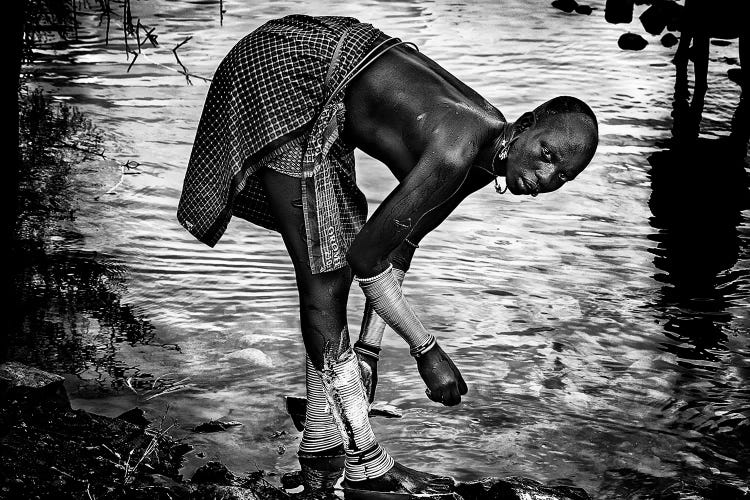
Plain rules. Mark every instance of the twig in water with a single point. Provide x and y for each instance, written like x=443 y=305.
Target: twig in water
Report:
x=149 y=36
x=107 y=11
x=135 y=56
x=111 y=451
x=127 y=465
x=125 y=29
x=138 y=34
x=62 y=472
x=129 y=385
x=75 y=20
x=130 y=164
x=184 y=69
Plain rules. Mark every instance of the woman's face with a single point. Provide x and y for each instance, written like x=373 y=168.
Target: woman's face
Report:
x=549 y=154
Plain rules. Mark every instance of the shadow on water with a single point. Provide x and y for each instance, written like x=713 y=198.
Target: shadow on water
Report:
x=66 y=315
x=700 y=187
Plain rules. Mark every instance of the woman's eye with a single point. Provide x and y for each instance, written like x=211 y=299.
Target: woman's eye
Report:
x=546 y=154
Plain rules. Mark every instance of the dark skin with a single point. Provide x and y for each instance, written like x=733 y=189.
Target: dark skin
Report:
x=439 y=139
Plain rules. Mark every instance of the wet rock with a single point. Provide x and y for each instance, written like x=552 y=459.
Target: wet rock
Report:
x=256 y=482
x=215 y=426
x=586 y=10
x=28 y=385
x=661 y=15
x=618 y=11
x=180 y=449
x=669 y=40
x=51 y=451
x=169 y=487
x=253 y=356
x=631 y=41
x=565 y=5
x=223 y=492
x=135 y=416
x=385 y=410
x=735 y=75
x=215 y=473
x=516 y=488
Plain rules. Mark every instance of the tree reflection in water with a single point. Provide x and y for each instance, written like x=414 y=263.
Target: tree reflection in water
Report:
x=66 y=315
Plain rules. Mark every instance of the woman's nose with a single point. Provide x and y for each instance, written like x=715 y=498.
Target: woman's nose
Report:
x=546 y=176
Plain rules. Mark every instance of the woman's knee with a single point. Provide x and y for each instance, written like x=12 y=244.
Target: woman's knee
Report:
x=324 y=291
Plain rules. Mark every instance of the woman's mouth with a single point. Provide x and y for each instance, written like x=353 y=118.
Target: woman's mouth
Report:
x=527 y=186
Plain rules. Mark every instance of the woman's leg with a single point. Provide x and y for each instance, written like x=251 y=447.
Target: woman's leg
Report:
x=323 y=300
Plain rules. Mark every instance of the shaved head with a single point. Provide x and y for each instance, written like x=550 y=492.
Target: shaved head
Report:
x=579 y=114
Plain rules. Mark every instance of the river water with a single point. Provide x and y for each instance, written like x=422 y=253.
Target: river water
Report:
x=603 y=329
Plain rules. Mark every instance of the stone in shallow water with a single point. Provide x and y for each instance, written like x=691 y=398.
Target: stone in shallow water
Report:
x=215 y=473
x=618 y=11
x=660 y=15
x=584 y=9
x=216 y=426
x=565 y=5
x=735 y=75
x=135 y=416
x=252 y=355
x=517 y=488
x=29 y=385
x=669 y=40
x=631 y=41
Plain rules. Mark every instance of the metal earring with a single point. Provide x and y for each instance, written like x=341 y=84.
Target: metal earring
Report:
x=503 y=155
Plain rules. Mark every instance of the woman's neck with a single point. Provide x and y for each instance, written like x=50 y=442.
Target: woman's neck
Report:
x=488 y=160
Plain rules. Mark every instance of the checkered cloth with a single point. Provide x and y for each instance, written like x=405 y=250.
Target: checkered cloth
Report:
x=269 y=90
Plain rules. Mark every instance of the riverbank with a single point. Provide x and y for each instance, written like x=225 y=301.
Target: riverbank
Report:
x=50 y=450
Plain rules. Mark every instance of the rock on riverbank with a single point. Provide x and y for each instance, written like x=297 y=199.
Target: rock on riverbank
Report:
x=49 y=450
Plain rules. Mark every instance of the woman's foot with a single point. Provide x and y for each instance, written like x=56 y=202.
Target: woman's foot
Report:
x=321 y=470
x=401 y=479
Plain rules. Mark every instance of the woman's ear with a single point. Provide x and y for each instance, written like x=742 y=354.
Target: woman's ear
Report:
x=526 y=121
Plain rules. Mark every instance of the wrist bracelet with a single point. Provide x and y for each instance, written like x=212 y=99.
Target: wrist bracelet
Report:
x=419 y=350
x=413 y=245
x=367 y=349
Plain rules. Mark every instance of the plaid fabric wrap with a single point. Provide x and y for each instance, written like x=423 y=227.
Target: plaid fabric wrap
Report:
x=267 y=91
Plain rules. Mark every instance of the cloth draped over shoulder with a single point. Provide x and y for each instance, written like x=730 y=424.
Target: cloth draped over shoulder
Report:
x=270 y=90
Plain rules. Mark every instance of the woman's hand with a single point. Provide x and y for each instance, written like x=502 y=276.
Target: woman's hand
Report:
x=444 y=382
x=368 y=367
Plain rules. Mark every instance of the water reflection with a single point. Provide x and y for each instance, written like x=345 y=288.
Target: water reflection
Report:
x=67 y=315
x=699 y=189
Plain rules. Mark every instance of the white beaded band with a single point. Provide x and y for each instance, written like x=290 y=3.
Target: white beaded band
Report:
x=365 y=458
x=373 y=278
x=320 y=432
x=384 y=293
x=419 y=350
x=368 y=464
x=373 y=326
